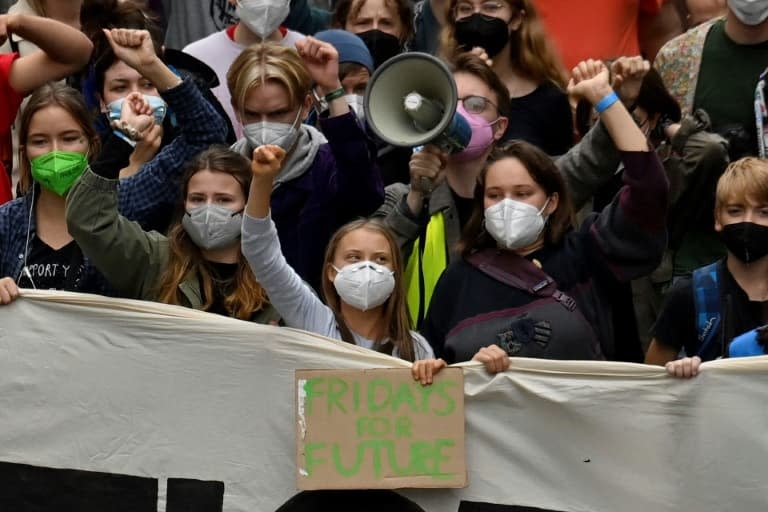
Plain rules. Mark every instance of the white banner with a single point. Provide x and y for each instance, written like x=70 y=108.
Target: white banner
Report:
x=201 y=407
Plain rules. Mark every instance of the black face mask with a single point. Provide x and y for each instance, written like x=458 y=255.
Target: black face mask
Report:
x=382 y=46
x=746 y=240
x=489 y=33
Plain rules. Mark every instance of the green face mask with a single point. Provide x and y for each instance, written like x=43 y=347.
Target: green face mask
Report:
x=58 y=170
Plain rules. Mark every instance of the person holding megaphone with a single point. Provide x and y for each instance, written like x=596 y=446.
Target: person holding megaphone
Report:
x=428 y=216
x=531 y=284
x=513 y=37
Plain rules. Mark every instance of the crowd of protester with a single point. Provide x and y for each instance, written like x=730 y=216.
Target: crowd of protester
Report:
x=611 y=204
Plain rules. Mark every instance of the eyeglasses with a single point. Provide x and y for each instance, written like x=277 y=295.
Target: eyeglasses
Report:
x=476 y=104
x=464 y=9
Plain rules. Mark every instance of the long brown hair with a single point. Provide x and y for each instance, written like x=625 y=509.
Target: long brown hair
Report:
x=544 y=172
x=53 y=94
x=185 y=257
x=396 y=319
x=532 y=55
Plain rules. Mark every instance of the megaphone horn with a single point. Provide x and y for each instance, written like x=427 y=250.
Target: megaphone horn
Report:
x=411 y=101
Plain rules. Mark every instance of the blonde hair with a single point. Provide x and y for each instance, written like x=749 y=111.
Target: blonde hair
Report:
x=742 y=179
x=396 y=320
x=264 y=62
x=532 y=54
x=247 y=297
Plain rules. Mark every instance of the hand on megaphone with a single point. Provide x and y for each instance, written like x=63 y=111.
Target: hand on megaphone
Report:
x=427 y=172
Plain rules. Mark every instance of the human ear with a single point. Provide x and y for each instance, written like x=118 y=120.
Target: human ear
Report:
x=554 y=200
x=501 y=127
x=517 y=20
x=306 y=107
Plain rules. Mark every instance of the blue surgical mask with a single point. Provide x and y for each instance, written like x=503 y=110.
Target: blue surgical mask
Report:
x=156 y=103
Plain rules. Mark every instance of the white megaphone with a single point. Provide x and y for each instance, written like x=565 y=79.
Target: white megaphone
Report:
x=411 y=101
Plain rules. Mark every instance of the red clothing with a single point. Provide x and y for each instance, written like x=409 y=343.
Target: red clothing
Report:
x=9 y=106
x=594 y=29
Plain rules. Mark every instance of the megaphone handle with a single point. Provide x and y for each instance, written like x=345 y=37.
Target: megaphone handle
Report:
x=424 y=218
x=425 y=185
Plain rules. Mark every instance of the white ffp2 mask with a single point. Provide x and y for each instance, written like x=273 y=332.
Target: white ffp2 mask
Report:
x=364 y=285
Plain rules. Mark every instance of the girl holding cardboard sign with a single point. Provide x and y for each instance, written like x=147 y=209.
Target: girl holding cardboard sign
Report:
x=361 y=280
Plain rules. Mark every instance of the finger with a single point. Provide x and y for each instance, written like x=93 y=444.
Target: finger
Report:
x=695 y=363
x=13 y=290
x=421 y=373
x=429 y=372
x=5 y=297
x=415 y=370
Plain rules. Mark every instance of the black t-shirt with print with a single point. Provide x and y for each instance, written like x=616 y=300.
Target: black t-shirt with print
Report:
x=52 y=269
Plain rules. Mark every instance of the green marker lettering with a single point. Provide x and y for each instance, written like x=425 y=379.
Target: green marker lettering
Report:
x=403 y=427
x=337 y=388
x=404 y=395
x=354 y=468
x=426 y=392
x=450 y=404
x=311 y=392
x=393 y=464
x=310 y=460
x=356 y=397
x=386 y=386
x=373 y=426
x=420 y=452
x=439 y=457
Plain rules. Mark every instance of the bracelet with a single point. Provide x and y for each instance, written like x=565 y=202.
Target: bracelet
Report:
x=334 y=95
x=605 y=103
x=126 y=129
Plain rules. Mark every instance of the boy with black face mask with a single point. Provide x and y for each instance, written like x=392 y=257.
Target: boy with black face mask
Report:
x=724 y=300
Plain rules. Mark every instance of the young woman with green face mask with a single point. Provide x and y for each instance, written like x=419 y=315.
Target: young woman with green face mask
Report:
x=56 y=139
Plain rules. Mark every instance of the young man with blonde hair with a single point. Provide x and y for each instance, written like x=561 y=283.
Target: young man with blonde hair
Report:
x=730 y=297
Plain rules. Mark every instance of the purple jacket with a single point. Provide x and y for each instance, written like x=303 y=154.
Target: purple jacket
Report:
x=342 y=184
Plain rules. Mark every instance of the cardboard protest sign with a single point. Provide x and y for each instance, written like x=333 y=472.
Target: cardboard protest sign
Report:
x=379 y=429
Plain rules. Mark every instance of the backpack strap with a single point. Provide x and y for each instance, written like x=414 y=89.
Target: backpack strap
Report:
x=518 y=272
x=706 y=300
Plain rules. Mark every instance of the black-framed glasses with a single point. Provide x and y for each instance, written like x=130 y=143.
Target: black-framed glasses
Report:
x=476 y=104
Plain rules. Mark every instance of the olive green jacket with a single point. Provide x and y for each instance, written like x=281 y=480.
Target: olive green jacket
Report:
x=131 y=259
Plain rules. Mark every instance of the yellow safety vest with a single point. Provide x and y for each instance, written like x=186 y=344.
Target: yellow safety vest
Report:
x=434 y=261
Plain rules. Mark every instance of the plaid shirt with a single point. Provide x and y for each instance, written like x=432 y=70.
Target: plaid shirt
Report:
x=143 y=196
x=149 y=195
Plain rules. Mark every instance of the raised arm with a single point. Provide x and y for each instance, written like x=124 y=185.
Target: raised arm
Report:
x=130 y=258
x=154 y=188
x=630 y=233
x=357 y=183
x=63 y=50
x=591 y=82
x=293 y=299
x=594 y=160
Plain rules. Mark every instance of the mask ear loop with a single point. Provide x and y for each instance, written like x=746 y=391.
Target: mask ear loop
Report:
x=25 y=269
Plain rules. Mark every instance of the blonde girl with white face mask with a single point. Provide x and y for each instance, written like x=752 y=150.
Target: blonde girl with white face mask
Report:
x=361 y=281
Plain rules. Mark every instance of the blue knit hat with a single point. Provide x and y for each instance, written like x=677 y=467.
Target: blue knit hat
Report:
x=350 y=47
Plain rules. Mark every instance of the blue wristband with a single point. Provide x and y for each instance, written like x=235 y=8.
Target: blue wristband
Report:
x=605 y=103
